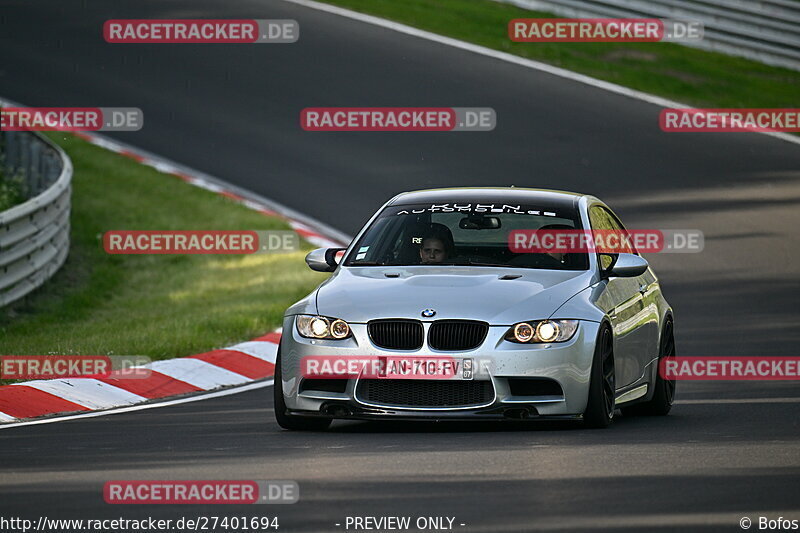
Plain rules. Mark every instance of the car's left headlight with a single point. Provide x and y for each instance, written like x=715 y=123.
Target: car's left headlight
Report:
x=322 y=327
x=542 y=331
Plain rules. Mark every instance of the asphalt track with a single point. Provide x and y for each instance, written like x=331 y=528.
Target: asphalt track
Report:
x=728 y=450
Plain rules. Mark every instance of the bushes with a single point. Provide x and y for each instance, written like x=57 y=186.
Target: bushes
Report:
x=11 y=189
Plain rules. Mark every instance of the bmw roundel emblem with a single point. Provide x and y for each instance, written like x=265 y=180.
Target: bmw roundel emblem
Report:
x=427 y=313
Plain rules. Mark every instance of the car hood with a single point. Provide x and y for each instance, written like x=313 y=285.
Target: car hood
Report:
x=360 y=294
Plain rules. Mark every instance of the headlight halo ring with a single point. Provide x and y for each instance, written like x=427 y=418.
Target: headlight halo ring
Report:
x=524 y=337
x=545 y=331
x=322 y=327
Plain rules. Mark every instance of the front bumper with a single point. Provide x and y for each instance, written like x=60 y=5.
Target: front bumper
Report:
x=501 y=362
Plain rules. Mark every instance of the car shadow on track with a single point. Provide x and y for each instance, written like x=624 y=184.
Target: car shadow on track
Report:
x=445 y=426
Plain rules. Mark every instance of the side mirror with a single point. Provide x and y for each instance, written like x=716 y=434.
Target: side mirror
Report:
x=628 y=266
x=323 y=259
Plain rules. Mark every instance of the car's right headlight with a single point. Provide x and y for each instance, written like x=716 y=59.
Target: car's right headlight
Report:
x=542 y=331
x=322 y=327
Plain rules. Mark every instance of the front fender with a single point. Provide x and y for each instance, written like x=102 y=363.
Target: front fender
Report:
x=582 y=306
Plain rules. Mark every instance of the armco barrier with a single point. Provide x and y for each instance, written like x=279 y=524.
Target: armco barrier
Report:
x=34 y=235
x=763 y=30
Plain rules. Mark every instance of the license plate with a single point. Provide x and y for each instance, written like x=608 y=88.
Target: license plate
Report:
x=426 y=368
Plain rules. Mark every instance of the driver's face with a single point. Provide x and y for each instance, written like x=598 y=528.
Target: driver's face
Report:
x=432 y=251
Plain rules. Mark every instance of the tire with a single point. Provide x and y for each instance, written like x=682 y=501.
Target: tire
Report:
x=661 y=402
x=285 y=420
x=601 y=402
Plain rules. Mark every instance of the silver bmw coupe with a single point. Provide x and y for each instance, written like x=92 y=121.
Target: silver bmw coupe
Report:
x=432 y=313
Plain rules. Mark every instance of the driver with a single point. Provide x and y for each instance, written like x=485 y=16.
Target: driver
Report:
x=437 y=245
x=553 y=259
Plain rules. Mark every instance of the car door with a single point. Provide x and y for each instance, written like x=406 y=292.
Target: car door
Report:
x=622 y=301
x=645 y=323
x=649 y=329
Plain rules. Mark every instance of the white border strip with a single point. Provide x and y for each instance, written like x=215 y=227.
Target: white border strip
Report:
x=87 y=392
x=264 y=350
x=197 y=372
x=142 y=407
x=510 y=58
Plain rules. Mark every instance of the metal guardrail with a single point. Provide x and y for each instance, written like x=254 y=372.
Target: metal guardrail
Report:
x=34 y=235
x=763 y=30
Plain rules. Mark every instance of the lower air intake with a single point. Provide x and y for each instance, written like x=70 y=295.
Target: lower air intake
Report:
x=425 y=393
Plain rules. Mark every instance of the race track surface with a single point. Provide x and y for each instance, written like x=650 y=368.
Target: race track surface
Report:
x=728 y=450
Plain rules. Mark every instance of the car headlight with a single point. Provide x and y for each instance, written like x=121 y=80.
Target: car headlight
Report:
x=539 y=331
x=322 y=327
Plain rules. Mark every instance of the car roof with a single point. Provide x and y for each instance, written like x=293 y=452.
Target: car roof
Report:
x=522 y=195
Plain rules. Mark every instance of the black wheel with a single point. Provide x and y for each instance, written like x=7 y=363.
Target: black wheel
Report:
x=664 y=393
x=600 y=405
x=287 y=421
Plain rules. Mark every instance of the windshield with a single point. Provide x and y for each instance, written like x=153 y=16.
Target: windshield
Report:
x=463 y=234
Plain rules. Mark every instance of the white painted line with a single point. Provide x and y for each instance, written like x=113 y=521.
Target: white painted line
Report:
x=322 y=242
x=301 y=226
x=264 y=350
x=737 y=400
x=198 y=373
x=165 y=168
x=90 y=393
x=250 y=204
x=6 y=418
x=106 y=143
x=93 y=414
x=207 y=185
x=315 y=239
x=510 y=58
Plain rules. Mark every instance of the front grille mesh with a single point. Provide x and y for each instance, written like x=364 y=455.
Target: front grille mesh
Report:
x=425 y=393
x=456 y=334
x=396 y=334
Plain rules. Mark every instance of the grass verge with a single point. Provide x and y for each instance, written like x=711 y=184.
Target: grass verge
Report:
x=160 y=306
x=696 y=77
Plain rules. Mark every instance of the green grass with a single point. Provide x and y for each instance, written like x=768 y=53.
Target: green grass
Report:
x=684 y=74
x=160 y=306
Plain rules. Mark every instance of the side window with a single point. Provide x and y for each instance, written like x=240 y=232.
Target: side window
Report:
x=617 y=225
x=613 y=221
x=600 y=219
